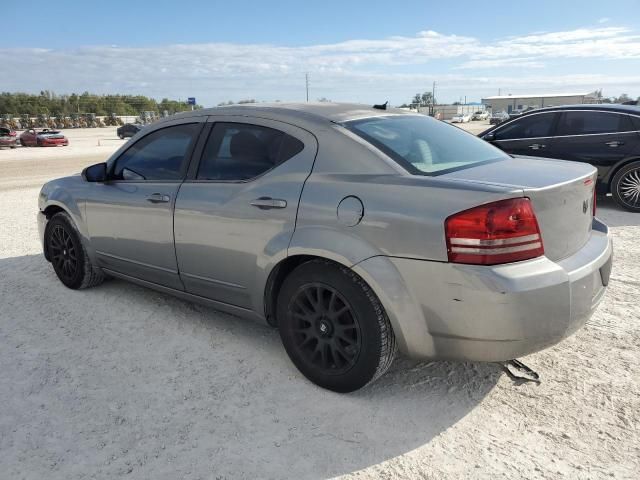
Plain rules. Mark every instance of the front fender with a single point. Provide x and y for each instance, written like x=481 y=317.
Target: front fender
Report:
x=62 y=194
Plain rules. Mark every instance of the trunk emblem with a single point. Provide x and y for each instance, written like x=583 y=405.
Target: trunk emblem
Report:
x=585 y=206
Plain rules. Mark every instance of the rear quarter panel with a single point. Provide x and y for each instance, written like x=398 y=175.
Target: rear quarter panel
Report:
x=403 y=216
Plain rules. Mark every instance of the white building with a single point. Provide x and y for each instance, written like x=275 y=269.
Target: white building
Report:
x=509 y=103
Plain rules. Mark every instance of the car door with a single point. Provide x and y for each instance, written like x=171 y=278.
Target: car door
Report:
x=130 y=216
x=527 y=135
x=596 y=137
x=237 y=208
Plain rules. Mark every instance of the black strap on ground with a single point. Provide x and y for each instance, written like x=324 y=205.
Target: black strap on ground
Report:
x=519 y=372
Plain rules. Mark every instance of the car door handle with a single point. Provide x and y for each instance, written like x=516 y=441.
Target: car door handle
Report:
x=537 y=146
x=267 y=203
x=614 y=143
x=158 y=198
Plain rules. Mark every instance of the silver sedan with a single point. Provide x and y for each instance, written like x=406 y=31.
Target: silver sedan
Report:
x=356 y=231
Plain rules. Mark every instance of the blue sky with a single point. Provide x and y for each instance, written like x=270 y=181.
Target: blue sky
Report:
x=367 y=51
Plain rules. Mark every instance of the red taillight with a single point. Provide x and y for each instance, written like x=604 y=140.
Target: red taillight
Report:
x=12 y=134
x=498 y=232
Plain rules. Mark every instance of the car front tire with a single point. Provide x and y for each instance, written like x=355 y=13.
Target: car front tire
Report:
x=333 y=327
x=625 y=187
x=68 y=255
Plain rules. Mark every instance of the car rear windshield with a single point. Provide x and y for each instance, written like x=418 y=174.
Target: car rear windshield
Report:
x=423 y=145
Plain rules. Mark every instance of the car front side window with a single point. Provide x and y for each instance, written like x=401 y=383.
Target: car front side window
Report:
x=528 y=126
x=239 y=151
x=161 y=155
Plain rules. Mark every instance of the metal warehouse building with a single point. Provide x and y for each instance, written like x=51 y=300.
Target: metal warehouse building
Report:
x=509 y=103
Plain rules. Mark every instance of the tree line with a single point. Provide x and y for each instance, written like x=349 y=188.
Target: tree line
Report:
x=48 y=103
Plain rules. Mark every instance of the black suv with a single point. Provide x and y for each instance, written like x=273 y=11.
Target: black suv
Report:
x=606 y=136
x=128 y=130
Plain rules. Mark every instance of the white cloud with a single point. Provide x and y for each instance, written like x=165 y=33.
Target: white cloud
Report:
x=525 y=62
x=361 y=69
x=604 y=20
x=606 y=43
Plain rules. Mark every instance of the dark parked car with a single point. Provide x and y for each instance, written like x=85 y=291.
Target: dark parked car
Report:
x=606 y=136
x=498 y=117
x=8 y=138
x=43 y=138
x=128 y=130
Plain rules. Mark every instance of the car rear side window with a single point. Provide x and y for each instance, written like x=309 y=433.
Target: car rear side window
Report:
x=423 y=145
x=160 y=155
x=528 y=126
x=588 y=122
x=242 y=151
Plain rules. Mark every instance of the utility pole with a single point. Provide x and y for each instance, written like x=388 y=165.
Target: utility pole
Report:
x=306 y=81
x=433 y=93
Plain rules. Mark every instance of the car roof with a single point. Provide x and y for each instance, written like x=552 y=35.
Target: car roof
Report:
x=604 y=107
x=312 y=112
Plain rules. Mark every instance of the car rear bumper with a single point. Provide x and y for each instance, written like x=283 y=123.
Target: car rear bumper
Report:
x=468 y=312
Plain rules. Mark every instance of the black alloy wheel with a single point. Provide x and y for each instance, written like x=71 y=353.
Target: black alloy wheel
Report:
x=68 y=256
x=326 y=330
x=333 y=327
x=63 y=252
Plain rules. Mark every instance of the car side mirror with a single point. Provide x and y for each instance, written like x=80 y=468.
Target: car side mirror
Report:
x=489 y=137
x=95 y=173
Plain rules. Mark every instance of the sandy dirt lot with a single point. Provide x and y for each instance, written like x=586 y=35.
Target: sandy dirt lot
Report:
x=122 y=381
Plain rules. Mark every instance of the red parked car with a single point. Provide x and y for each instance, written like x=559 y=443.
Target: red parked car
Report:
x=43 y=138
x=8 y=138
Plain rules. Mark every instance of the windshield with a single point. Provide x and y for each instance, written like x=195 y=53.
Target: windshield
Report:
x=423 y=145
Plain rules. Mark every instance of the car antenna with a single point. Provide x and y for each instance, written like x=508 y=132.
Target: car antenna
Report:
x=382 y=106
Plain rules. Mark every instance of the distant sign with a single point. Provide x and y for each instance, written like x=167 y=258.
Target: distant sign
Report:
x=191 y=101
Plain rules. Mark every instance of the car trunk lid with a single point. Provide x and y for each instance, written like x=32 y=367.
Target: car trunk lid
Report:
x=561 y=193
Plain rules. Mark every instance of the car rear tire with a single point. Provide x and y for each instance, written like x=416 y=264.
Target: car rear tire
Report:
x=121 y=136
x=68 y=255
x=333 y=327
x=625 y=187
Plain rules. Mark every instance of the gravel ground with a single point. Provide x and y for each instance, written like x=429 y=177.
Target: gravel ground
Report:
x=122 y=381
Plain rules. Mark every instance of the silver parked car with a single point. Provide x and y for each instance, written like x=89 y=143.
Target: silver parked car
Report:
x=355 y=230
